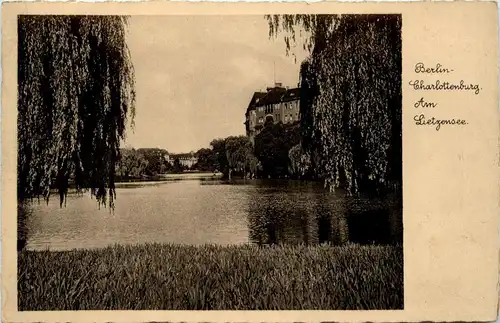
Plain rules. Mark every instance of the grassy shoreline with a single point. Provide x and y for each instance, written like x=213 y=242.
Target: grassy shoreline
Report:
x=178 y=277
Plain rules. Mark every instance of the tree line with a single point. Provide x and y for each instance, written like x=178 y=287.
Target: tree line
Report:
x=142 y=162
x=76 y=95
x=275 y=154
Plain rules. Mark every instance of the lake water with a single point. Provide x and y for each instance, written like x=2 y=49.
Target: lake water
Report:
x=215 y=212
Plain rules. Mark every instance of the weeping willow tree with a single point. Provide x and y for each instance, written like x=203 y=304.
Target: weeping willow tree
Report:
x=75 y=94
x=351 y=98
x=299 y=161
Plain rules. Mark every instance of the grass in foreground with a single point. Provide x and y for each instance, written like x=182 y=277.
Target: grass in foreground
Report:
x=175 y=277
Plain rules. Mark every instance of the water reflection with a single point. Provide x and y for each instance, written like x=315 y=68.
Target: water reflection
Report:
x=216 y=212
x=303 y=213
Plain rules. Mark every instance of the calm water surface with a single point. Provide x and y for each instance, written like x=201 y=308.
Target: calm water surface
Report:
x=215 y=212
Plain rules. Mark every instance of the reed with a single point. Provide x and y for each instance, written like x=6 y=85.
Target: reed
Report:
x=178 y=277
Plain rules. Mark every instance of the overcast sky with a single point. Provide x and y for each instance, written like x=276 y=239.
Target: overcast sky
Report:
x=195 y=76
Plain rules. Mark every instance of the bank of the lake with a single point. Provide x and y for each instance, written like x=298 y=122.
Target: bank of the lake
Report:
x=245 y=277
x=177 y=176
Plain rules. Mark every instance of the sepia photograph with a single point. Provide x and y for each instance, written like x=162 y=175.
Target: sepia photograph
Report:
x=210 y=162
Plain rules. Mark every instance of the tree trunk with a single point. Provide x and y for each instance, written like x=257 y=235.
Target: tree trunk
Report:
x=22 y=234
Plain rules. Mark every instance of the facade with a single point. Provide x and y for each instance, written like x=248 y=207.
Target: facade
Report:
x=186 y=160
x=278 y=103
x=167 y=158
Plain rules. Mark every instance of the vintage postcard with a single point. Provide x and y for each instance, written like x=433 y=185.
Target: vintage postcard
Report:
x=247 y=162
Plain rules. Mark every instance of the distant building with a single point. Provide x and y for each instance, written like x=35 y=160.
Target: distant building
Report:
x=186 y=160
x=279 y=103
x=167 y=158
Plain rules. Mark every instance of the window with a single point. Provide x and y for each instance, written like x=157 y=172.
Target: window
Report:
x=261 y=120
x=286 y=118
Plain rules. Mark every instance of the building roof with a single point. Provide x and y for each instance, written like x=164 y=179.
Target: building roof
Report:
x=272 y=96
x=291 y=95
x=257 y=96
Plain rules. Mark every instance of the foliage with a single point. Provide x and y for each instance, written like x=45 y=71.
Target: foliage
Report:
x=177 y=167
x=179 y=277
x=252 y=163
x=156 y=162
x=132 y=164
x=300 y=161
x=75 y=95
x=239 y=152
x=218 y=147
x=272 y=145
x=318 y=27
x=206 y=160
x=234 y=153
x=351 y=104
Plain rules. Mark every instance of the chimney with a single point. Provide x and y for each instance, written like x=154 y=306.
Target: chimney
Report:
x=278 y=84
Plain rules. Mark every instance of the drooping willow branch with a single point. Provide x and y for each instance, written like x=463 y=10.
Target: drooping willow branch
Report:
x=75 y=96
x=350 y=97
